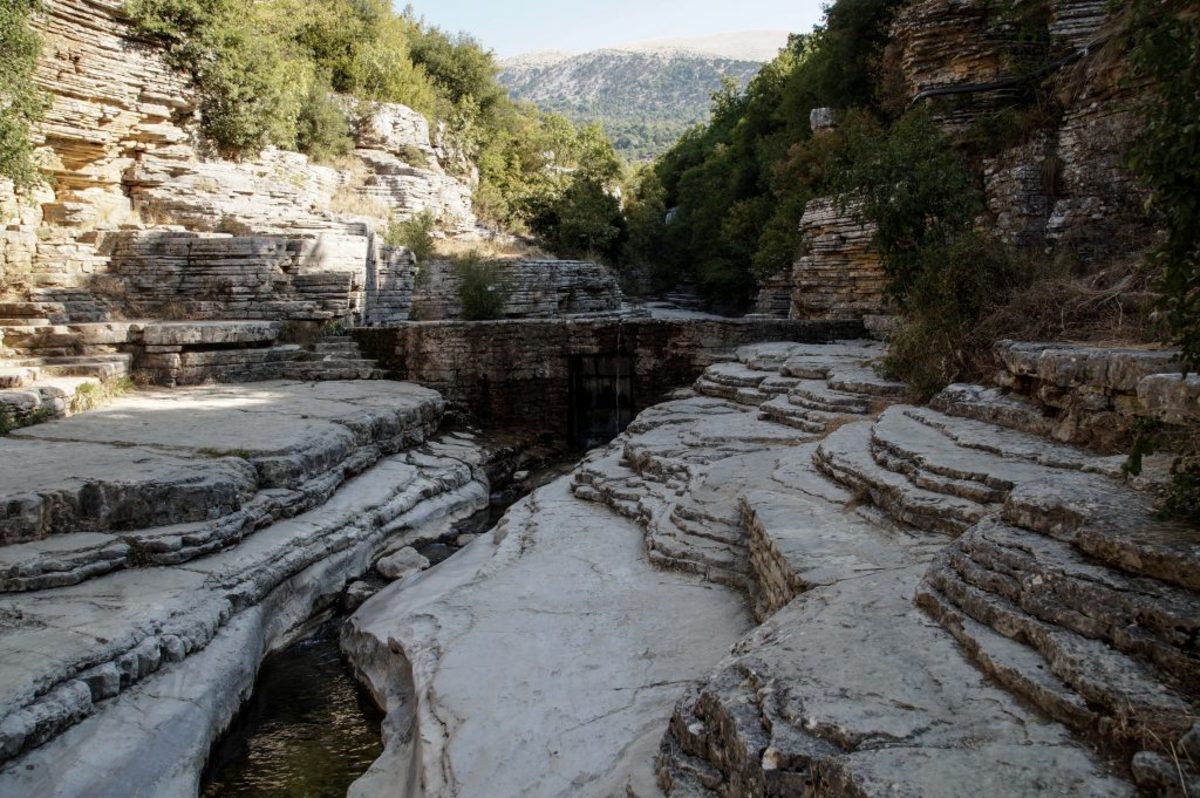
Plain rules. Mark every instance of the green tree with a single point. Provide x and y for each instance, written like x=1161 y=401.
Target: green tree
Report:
x=21 y=102
x=1164 y=38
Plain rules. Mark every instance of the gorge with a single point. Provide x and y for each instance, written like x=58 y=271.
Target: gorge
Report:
x=320 y=475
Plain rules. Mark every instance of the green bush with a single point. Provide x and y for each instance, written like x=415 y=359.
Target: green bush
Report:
x=584 y=221
x=21 y=102
x=912 y=184
x=484 y=288
x=322 y=130
x=1164 y=37
x=415 y=234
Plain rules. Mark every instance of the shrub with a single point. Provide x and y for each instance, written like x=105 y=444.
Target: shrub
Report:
x=415 y=234
x=484 y=288
x=939 y=338
x=911 y=183
x=322 y=130
x=583 y=221
x=21 y=102
x=1164 y=37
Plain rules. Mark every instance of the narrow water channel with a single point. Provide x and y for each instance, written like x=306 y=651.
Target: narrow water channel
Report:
x=309 y=730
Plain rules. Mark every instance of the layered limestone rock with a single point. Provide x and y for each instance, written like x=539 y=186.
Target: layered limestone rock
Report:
x=542 y=659
x=133 y=187
x=791 y=475
x=1088 y=395
x=537 y=289
x=1067 y=188
x=840 y=276
x=174 y=539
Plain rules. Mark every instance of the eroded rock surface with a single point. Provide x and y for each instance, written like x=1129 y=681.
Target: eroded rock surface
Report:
x=947 y=606
x=131 y=646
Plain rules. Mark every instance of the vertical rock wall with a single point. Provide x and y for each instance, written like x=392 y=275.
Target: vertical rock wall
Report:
x=839 y=276
x=137 y=218
x=1064 y=190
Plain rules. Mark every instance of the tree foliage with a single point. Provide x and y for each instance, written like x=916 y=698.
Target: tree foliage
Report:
x=21 y=102
x=739 y=184
x=263 y=70
x=1164 y=39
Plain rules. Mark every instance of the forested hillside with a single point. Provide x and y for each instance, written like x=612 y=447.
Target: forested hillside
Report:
x=723 y=207
x=644 y=100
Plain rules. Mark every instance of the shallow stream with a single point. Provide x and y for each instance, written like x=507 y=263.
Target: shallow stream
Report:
x=308 y=731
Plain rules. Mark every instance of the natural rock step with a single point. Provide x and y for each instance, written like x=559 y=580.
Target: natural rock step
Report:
x=693 y=525
x=751 y=397
x=32 y=310
x=345 y=346
x=141 y=619
x=846 y=457
x=993 y=406
x=18 y=377
x=866 y=381
x=796 y=709
x=782 y=411
x=1115 y=526
x=1130 y=703
x=1055 y=583
x=5 y=324
x=116 y=358
x=816 y=395
x=1013 y=444
x=703 y=551
x=105 y=472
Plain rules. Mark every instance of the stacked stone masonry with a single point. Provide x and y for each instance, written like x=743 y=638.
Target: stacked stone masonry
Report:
x=537 y=289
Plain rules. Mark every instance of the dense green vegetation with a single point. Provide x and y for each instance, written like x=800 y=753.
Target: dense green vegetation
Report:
x=263 y=71
x=739 y=184
x=1164 y=40
x=21 y=102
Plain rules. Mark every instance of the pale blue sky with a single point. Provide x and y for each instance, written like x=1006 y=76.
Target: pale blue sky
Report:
x=513 y=27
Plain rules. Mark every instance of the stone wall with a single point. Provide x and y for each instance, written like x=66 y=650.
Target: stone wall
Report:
x=518 y=373
x=539 y=289
x=839 y=276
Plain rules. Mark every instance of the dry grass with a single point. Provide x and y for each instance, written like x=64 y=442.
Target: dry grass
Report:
x=1111 y=307
x=504 y=248
x=348 y=200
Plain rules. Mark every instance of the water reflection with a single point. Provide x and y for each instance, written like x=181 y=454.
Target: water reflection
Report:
x=307 y=732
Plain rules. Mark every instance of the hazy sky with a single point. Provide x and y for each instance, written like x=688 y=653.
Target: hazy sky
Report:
x=521 y=26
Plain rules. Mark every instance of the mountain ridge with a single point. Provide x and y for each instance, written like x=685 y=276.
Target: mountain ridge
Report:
x=644 y=94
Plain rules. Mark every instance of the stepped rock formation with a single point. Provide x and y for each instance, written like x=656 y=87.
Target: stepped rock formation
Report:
x=121 y=139
x=947 y=604
x=154 y=551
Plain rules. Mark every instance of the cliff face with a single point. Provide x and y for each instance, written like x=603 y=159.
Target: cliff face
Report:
x=1064 y=189
x=130 y=175
x=1060 y=189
